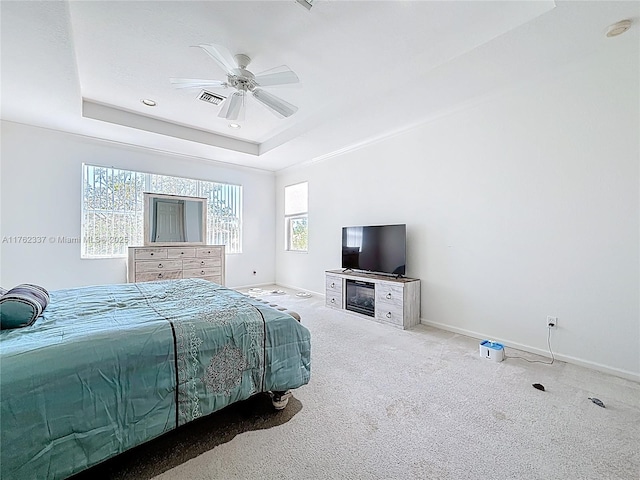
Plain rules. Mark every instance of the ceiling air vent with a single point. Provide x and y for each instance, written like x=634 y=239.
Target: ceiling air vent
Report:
x=209 y=97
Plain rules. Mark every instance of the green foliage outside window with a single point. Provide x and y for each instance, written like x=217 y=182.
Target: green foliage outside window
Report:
x=299 y=234
x=296 y=205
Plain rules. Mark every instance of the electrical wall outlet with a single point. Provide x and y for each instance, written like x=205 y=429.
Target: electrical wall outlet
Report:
x=552 y=322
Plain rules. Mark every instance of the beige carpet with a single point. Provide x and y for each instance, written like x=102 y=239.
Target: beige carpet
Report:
x=418 y=404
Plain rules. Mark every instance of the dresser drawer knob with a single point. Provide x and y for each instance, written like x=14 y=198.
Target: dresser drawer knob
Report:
x=333 y=285
x=201 y=272
x=160 y=265
x=388 y=315
x=389 y=295
x=159 y=275
x=181 y=253
x=151 y=254
x=333 y=300
x=202 y=263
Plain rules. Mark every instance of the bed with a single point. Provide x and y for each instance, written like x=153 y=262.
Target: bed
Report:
x=106 y=368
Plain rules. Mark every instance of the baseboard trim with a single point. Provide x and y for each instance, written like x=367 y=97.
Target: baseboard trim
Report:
x=618 y=372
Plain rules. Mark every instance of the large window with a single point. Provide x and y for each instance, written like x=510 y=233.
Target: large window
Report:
x=113 y=203
x=296 y=204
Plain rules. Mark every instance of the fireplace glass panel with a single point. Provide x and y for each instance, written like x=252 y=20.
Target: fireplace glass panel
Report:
x=361 y=297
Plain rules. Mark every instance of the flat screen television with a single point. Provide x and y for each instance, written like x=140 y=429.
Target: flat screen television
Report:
x=375 y=248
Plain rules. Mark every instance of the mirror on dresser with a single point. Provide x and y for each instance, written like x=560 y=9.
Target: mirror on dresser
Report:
x=174 y=220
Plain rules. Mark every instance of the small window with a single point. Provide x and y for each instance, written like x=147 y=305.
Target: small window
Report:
x=296 y=204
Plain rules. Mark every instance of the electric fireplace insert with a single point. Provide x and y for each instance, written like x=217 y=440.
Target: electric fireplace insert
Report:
x=361 y=297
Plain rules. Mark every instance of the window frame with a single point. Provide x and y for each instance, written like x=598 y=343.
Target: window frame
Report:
x=290 y=218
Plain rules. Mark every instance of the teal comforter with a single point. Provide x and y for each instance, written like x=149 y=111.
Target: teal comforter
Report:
x=109 y=367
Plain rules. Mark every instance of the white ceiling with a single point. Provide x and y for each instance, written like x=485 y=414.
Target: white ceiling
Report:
x=366 y=69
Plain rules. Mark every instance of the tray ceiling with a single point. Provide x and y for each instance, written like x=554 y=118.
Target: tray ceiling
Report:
x=366 y=69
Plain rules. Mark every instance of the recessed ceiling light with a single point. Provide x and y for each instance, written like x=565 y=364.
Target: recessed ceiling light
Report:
x=148 y=102
x=618 y=28
x=234 y=125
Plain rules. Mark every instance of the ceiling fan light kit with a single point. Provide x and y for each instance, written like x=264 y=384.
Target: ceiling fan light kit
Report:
x=243 y=81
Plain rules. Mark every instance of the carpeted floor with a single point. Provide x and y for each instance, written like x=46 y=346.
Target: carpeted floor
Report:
x=417 y=404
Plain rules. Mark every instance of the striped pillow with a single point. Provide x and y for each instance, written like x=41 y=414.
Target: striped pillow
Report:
x=21 y=305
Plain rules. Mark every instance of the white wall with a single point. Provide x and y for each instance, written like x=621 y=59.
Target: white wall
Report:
x=41 y=196
x=522 y=206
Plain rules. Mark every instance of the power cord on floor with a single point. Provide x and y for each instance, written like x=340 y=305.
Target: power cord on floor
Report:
x=538 y=361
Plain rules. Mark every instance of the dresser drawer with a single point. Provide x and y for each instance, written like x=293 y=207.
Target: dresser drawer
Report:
x=389 y=314
x=201 y=272
x=334 y=300
x=150 y=253
x=202 y=252
x=181 y=253
x=202 y=262
x=389 y=294
x=333 y=284
x=164 y=275
x=158 y=266
x=215 y=279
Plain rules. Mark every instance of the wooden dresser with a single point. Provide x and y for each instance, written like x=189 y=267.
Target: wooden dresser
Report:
x=165 y=263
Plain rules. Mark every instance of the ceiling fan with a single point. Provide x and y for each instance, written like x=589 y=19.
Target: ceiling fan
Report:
x=244 y=82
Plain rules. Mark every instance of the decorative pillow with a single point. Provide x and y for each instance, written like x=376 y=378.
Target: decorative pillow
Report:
x=21 y=305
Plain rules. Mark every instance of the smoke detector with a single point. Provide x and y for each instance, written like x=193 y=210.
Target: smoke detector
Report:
x=618 y=28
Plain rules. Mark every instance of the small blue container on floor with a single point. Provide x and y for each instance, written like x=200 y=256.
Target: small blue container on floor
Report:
x=492 y=350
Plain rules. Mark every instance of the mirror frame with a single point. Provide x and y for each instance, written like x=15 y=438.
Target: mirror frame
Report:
x=148 y=204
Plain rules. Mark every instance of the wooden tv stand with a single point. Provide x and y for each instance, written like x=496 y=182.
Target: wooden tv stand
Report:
x=396 y=300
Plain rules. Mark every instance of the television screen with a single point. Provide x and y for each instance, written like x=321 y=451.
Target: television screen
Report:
x=376 y=248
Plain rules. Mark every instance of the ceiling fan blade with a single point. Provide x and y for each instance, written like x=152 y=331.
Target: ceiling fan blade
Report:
x=221 y=55
x=281 y=75
x=233 y=108
x=196 y=83
x=276 y=104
